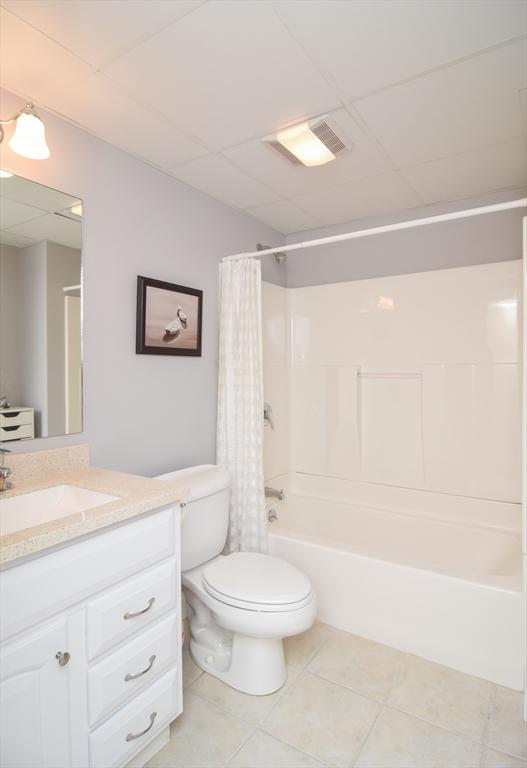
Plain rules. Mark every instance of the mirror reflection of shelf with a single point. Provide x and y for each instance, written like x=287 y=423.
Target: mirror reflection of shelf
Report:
x=17 y=423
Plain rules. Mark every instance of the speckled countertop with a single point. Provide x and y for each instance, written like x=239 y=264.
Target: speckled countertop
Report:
x=137 y=496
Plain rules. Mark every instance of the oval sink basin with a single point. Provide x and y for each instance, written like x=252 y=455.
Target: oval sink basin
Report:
x=37 y=507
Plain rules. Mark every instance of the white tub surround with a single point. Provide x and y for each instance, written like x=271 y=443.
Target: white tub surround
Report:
x=432 y=575
x=397 y=404
x=409 y=381
x=395 y=380
x=90 y=633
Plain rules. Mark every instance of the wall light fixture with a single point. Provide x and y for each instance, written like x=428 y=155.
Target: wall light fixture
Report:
x=29 y=138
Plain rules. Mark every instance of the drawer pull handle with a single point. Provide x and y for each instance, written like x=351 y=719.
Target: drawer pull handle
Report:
x=135 y=675
x=133 y=614
x=132 y=736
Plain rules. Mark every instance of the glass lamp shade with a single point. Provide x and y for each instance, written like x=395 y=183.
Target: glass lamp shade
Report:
x=29 y=139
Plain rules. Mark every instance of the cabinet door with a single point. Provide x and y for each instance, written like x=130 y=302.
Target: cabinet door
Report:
x=34 y=700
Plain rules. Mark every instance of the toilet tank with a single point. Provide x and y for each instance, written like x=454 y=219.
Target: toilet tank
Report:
x=204 y=514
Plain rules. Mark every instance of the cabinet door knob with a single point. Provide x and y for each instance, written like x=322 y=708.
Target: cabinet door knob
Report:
x=133 y=614
x=62 y=657
x=132 y=736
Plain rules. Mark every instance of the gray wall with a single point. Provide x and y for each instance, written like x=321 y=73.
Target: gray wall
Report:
x=142 y=413
x=479 y=240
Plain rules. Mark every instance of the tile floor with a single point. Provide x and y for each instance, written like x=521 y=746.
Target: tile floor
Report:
x=348 y=702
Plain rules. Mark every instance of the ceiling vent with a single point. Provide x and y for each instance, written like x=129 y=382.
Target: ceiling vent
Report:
x=310 y=143
x=328 y=137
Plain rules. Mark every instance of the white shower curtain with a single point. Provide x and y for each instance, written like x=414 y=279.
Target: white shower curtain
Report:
x=240 y=401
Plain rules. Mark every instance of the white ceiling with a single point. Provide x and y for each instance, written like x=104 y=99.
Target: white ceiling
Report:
x=427 y=93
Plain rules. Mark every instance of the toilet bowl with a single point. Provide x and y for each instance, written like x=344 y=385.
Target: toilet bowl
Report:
x=237 y=627
x=241 y=605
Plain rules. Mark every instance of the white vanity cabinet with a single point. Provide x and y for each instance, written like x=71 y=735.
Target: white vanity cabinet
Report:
x=90 y=654
x=34 y=699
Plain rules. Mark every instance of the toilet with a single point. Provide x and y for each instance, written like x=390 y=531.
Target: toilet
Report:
x=241 y=605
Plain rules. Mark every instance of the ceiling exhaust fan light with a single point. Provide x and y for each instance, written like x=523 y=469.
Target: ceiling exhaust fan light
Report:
x=29 y=139
x=301 y=142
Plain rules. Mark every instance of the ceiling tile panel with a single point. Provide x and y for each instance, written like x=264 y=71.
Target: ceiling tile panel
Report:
x=368 y=45
x=468 y=105
x=21 y=47
x=217 y=177
x=471 y=174
x=184 y=80
x=263 y=163
x=8 y=238
x=96 y=30
x=36 y=195
x=375 y=196
x=12 y=213
x=227 y=72
x=101 y=106
x=53 y=227
x=284 y=216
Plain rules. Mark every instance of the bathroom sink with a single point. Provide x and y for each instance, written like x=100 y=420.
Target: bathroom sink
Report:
x=37 y=507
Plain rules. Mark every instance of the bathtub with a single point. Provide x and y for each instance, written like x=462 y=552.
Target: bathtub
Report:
x=429 y=574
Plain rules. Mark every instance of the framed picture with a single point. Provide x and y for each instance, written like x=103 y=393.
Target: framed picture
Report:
x=168 y=318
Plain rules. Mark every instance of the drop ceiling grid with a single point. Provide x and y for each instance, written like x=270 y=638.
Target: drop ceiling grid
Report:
x=350 y=103
x=417 y=198
x=66 y=97
x=329 y=91
x=106 y=32
x=346 y=103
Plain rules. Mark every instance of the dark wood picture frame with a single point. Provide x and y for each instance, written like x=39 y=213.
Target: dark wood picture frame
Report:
x=141 y=346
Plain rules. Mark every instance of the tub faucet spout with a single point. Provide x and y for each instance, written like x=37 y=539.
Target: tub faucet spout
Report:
x=275 y=493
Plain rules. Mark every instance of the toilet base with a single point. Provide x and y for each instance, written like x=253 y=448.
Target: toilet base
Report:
x=243 y=648
x=254 y=665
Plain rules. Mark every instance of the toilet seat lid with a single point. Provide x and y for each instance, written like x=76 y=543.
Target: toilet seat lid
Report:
x=253 y=578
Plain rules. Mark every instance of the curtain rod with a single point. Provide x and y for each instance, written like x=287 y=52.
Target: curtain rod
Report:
x=521 y=203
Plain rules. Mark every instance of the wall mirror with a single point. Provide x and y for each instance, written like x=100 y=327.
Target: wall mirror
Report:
x=40 y=311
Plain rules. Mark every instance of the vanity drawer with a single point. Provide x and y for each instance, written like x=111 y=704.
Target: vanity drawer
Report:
x=63 y=578
x=126 y=672
x=139 y=722
x=16 y=432
x=121 y=611
x=16 y=418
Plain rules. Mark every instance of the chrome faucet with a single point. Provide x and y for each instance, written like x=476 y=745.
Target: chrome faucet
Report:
x=5 y=472
x=275 y=493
